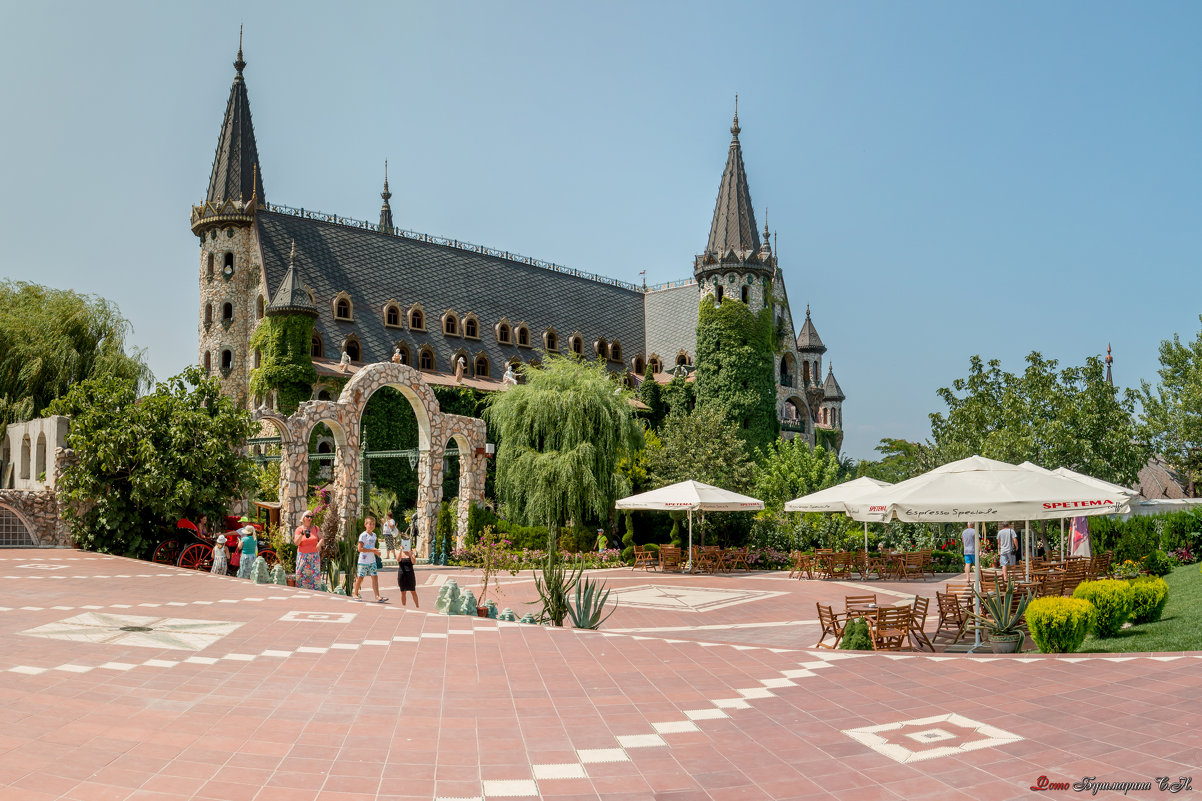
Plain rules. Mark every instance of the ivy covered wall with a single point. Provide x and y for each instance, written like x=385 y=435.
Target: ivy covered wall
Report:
x=286 y=368
x=736 y=367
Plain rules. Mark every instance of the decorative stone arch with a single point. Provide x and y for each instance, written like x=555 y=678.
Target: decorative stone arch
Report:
x=12 y=520
x=343 y=307
x=343 y=417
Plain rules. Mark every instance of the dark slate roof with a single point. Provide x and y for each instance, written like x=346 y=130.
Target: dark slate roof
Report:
x=291 y=297
x=808 y=340
x=236 y=174
x=374 y=268
x=672 y=322
x=830 y=388
x=733 y=227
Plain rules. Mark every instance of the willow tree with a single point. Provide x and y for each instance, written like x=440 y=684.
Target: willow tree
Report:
x=561 y=434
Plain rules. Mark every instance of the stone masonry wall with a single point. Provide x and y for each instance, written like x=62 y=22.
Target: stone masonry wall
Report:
x=38 y=509
x=242 y=290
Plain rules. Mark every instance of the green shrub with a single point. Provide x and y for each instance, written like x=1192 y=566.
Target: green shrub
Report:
x=628 y=539
x=1058 y=625
x=1150 y=596
x=855 y=636
x=1158 y=563
x=1111 y=601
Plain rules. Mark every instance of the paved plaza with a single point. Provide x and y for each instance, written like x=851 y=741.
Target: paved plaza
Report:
x=122 y=679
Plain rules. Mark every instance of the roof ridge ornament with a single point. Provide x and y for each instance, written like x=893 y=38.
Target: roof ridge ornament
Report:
x=734 y=126
x=240 y=63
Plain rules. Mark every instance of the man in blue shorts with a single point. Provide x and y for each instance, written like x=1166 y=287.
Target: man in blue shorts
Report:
x=969 y=538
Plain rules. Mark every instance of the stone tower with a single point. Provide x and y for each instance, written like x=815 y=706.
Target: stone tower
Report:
x=831 y=414
x=809 y=351
x=231 y=292
x=735 y=263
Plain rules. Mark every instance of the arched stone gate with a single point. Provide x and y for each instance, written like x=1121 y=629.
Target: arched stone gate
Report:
x=434 y=431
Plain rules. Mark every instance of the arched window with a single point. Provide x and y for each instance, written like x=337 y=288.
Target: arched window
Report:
x=209 y=268
x=342 y=309
x=417 y=320
x=352 y=350
x=602 y=348
x=615 y=351
x=523 y=336
x=227 y=360
x=260 y=307
x=258 y=358
x=208 y=362
x=746 y=294
x=786 y=371
x=471 y=327
x=406 y=359
x=323 y=395
x=39 y=459
x=481 y=366
x=682 y=359
x=227 y=265
x=656 y=366
x=805 y=372
x=25 y=458
x=450 y=324
x=392 y=316
x=550 y=341
x=504 y=334
x=640 y=366
x=208 y=314
x=317 y=348
x=426 y=359
x=576 y=343
x=718 y=293
x=227 y=311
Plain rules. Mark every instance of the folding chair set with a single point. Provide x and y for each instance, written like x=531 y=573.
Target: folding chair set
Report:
x=890 y=628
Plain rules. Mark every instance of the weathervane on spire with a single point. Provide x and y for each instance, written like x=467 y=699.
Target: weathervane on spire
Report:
x=240 y=64
x=734 y=127
x=386 y=194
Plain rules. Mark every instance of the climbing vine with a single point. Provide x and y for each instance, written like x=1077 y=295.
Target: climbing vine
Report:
x=286 y=366
x=735 y=368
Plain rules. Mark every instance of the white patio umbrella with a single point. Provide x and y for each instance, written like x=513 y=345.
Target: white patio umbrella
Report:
x=691 y=496
x=980 y=489
x=1084 y=479
x=836 y=498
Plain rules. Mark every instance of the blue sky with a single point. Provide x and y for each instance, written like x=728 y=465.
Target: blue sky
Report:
x=945 y=179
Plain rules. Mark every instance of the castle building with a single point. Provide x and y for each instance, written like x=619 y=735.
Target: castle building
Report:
x=444 y=306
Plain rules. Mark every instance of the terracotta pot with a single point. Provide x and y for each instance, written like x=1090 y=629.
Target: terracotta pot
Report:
x=291 y=581
x=482 y=611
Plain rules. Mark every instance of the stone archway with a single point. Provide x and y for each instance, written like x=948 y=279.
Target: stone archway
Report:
x=435 y=429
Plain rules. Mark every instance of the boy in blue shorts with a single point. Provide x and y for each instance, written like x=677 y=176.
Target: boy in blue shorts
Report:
x=367 y=560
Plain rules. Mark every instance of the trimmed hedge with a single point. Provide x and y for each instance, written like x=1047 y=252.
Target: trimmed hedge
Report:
x=1150 y=596
x=855 y=636
x=1058 y=625
x=1158 y=563
x=1111 y=600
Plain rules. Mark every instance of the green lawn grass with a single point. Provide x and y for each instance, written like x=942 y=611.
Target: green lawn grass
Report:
x=1179 y=629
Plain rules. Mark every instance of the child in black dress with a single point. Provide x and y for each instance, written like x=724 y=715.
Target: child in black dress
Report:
x=405 y=578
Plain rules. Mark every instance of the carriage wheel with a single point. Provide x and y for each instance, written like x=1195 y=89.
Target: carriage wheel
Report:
x=197 y=556
x=167 y=552
x=269 y=557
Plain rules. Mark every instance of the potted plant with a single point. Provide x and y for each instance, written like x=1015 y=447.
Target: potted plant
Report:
x=494 y=557
x=1001 y=612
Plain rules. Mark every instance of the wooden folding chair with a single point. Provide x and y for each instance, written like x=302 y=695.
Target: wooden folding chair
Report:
x=644 y=558
x=803 y=565
x=953 y=618
x=918 y=622
x=832 y=625
x=1051 y=587
x=669 y=558
x=861 y=601
x=928 y=561
x=736 y=557
x=890 y=628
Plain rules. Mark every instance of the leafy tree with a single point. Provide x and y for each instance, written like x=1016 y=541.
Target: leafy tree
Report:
x=736 y=368
x=51 y=339
x=1171 y=421
x=143 y=463
x=678 y=396
x=561 y=434
x=702 y=445
x=901 y=459
x=651 y=396
x=791 y=468
x=1072 y=418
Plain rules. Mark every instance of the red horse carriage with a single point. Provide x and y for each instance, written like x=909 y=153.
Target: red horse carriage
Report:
x=193 y=548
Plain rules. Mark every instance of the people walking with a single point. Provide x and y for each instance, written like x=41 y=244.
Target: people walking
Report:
x=969 y=537
x=307 y=539
x=390 y=534
x=1007 y=547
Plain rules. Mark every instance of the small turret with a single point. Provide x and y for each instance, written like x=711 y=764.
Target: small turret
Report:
x=291 y=297
x=386 y=225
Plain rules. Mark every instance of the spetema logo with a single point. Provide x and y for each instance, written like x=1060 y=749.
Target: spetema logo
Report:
x=1077 y=504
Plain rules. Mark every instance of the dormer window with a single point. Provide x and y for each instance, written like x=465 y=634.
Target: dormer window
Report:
x=504 y=332
x=640 y=366
x=576 y=343
x=352 y=350
x=392 y=316
x=523 y=335
x=682 y=359
x=481 y=366
x=550 y=340
x=450 y=324
x=602 y=348
x=406 y=359
x=656 y=365
x=615 y=351
x=343 y=310
x=426 y=359
x=471 y=327
x=417 y=318
x=316 y=347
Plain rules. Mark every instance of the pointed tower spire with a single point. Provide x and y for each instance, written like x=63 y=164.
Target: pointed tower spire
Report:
x=808 y=340
x=290 y=296
x=1109 y=361
x=386 y=225
x=235 y=173
x=734 y=225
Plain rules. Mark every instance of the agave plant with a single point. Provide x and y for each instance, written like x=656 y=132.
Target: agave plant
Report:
x=556 y=581
x=1000 y=612
x=589 y=604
